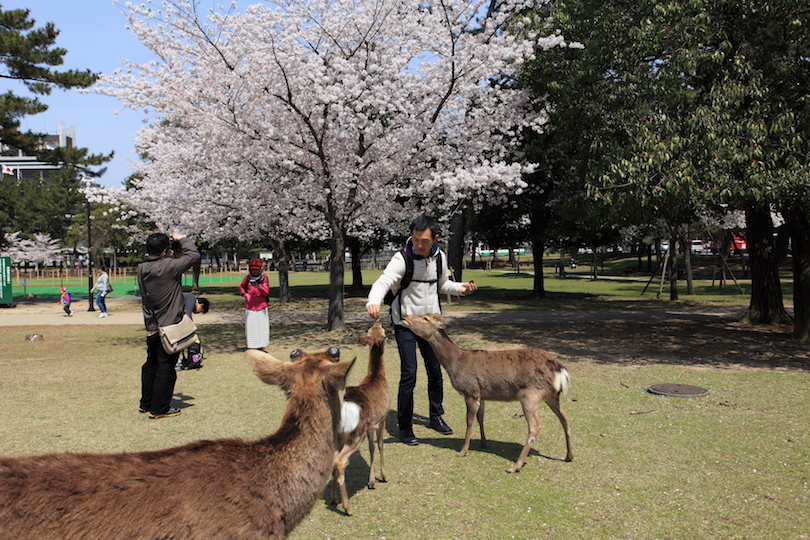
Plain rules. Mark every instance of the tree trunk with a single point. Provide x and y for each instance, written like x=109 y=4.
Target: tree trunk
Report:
x=799 y=226
x=336 y=317
x=195 y=279
x=357 y=270
x=538 y=246
x=673 y=267
x=283 y=272
x=687 y=266
x=539 y=223
x=455 y=244
x=766 y=306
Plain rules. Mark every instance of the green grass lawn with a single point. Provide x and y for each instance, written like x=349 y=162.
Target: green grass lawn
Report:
x=502 y=286
x=732 y=465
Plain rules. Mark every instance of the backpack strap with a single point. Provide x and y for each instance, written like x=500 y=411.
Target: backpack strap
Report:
x=407 y=277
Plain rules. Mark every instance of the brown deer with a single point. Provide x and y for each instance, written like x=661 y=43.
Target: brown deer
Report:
x=530 y=376
x=369 y=400
x=220 y=489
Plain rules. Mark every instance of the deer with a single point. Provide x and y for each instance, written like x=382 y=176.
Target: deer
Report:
x=369 y=400
x=209 y=489
x=530 y=376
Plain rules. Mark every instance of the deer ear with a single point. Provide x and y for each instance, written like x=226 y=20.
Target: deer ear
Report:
x=267 y=369
x=337 y=373
x=447 y=322
x=363 y=340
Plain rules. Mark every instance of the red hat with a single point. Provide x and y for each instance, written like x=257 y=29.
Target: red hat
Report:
x=256 y=263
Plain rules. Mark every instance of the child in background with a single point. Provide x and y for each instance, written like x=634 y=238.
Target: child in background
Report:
x=65 y=300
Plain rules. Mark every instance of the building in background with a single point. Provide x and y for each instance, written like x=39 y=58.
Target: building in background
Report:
x=16 y=164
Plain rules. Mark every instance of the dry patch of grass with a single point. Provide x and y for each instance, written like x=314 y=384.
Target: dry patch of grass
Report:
x=734 y=464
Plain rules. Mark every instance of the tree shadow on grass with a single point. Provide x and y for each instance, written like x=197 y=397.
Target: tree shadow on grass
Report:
x=222 y=338
x=721 y=344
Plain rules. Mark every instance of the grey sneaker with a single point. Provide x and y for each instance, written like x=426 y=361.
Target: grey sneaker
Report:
x=173 y=411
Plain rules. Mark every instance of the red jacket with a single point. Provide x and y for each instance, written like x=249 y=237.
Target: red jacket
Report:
x=255 y=297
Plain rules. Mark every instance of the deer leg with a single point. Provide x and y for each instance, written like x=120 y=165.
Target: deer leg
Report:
x=344 y=495
x=533 y=422
x=472 y=410
x=339 y=472
x=554 y=405
x=335 y=479
x=371 y=479
x=381 y=446
x=480 y=417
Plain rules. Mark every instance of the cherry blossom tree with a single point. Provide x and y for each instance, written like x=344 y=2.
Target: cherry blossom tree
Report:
x=319 y=117
x=39 y=251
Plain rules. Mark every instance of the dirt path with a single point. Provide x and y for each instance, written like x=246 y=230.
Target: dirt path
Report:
x=124 y=311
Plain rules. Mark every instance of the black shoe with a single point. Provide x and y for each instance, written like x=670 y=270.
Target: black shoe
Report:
x=408 y=438
x=173 y=411
x=439 y=425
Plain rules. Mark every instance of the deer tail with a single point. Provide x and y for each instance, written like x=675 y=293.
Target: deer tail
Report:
x=562 y=381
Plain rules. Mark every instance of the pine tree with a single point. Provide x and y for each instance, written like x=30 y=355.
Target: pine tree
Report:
x=28 y=54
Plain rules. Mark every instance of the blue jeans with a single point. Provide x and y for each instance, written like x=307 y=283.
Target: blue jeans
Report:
x=101 y=302
x=407 y=343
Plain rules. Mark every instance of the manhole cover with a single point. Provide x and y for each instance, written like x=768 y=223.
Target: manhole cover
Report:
x=677 y=390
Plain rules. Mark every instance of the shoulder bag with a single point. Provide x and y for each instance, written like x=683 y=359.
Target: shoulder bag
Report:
x=176 y=337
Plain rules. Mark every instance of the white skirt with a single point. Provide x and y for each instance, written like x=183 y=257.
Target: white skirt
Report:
x=257 y=328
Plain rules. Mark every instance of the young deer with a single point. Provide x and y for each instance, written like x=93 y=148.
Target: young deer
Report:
x=369 y=400
x=530 y=376
x=217 y=489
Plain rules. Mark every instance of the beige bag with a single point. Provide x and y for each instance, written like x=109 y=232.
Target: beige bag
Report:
x=177 y=337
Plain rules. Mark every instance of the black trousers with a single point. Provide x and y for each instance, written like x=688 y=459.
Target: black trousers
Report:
x=157 y=377
x=407 y=343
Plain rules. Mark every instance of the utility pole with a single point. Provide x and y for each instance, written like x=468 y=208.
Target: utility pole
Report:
x=90 y=306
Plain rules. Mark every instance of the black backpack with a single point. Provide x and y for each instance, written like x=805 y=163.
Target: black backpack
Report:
x=193 y=356
x=408 y=277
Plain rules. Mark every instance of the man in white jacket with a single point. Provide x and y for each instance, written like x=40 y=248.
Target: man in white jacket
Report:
x=419 y=297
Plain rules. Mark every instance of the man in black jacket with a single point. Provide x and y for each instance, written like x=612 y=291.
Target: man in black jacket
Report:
x=162 y=299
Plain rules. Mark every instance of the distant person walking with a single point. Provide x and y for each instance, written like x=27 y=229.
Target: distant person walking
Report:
x=102 y=287
x=163 y=304
x=256 y=290
x=65 y=301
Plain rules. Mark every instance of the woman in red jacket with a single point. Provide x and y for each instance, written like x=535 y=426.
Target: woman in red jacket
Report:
x=256 y=290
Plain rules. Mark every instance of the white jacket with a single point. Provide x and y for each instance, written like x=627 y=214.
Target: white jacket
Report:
x=102 y=283
x=418 y=298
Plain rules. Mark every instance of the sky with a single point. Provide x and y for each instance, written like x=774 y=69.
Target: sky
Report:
x=94 y=34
